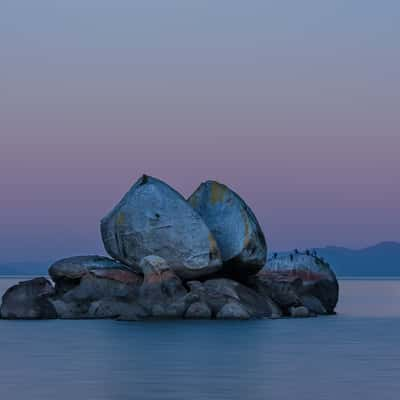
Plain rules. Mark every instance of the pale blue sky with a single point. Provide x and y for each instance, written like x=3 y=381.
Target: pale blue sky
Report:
x=295 y=104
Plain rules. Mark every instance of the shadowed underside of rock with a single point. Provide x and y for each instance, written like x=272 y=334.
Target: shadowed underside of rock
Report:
x=198 y=310
x=153 y=219
x=234 y=226
x=162 y=293
x=216 y=293
x=233 y=310
x=282 y=293
x=28 y=300
x=314 y=274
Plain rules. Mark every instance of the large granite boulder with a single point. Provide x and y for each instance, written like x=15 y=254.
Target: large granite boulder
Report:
x=29 y=300
x=82 y=282
x=234 y=226
x=216 y=293
x=308 y=275
x=153 y=219
x=162 y=293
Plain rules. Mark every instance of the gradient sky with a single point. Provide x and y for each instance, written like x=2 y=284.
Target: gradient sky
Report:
x=294 y=104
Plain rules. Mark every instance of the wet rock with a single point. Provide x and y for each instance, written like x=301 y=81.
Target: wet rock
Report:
x=172 y=310
x=299 y=312
x=153 y=219
x=313 y=304
x=216 y=293
x=117 y=309
x=162 y=293
x=281 y=292
x=198 y=310
x=234 y=226
x=66 y=310
x=317 y=277
x=28 y=300
x=233 y=310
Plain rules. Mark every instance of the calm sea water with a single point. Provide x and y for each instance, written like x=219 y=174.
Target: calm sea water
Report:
x=353 y=355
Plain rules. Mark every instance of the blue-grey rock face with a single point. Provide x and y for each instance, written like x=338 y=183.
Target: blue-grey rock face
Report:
x=86 y=286
x=217 y=293
x=315 y=277
x=233 y=310
x=153 y=219
x=234 y=226
x=28 y=300
x=77 y=267
x=198 y=310
x=162 y=293
x=308 y=267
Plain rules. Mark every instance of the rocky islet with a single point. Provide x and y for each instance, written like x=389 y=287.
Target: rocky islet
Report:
x=204 y=258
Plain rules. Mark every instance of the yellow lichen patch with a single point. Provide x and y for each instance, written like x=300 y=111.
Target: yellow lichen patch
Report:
x=217 y=192
x=121 y=218
x=214 y=250
x=193 y=201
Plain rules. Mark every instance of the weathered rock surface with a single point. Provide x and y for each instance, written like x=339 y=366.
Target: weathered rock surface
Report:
x=312 y=275
x=299 y=312
x=29 y=300
x=77 y=267
x=92 y=288
x=282 y=294
x=115 y=308
x=68 y=273
x=313 y=304
x=216 y=293
x=198 y=310
x=234 y=226
x=82 y=282
x=233 y=310
x=162 y=293
x=153 y=219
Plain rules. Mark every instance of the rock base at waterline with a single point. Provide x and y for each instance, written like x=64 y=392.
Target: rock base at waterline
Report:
x=94 y=288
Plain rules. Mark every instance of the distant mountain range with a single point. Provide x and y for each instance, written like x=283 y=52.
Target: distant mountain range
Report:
x=25 y=268
x=382 y=259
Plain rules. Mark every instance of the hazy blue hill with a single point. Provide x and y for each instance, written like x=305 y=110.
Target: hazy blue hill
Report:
x=24 y=268
x=382 y=259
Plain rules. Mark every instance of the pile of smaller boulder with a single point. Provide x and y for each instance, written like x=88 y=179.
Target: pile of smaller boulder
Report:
x=201 y=258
